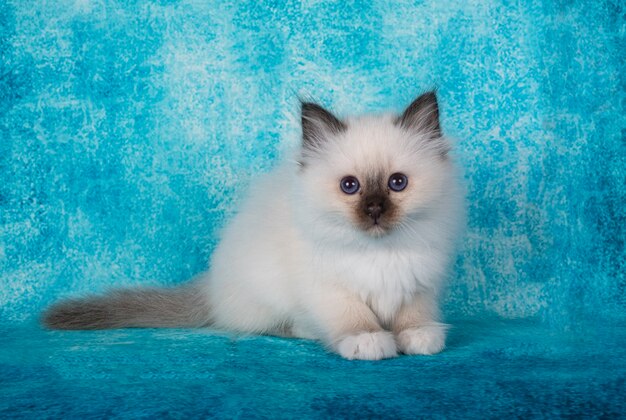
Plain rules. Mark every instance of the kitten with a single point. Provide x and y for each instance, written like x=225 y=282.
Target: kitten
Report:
x=348 y=244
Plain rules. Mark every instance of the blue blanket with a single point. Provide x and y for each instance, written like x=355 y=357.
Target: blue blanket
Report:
x=129 y=131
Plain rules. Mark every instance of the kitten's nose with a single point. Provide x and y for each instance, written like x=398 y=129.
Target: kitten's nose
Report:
x=374 y=208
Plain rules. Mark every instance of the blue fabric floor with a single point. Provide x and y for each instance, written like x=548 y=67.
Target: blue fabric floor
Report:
x=491 y=368
x=130 y=130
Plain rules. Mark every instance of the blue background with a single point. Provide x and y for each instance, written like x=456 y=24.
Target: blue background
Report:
x=129 y=131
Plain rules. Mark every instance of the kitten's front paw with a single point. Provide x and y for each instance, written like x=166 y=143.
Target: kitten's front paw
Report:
x=368 y=346
x=429 y=339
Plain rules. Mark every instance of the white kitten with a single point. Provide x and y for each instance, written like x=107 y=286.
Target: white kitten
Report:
x=347 y=245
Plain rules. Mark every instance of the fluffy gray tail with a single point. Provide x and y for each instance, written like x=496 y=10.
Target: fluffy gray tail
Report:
x=183 y=306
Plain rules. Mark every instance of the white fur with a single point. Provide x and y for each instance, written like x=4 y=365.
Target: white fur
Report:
x=368 y=346
x=293 y=256
x=429 y=339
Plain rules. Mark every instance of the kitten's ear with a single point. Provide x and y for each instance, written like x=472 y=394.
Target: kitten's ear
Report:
x=317 y=123
x=422 y=115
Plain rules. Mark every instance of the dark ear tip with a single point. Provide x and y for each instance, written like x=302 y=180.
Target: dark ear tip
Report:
x=308 y=107
x=422 y=113
x=430 y=96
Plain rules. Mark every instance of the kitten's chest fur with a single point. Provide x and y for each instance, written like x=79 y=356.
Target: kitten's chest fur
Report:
x=383 y=279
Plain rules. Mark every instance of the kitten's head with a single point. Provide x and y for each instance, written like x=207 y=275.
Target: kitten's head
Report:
x=375 y=172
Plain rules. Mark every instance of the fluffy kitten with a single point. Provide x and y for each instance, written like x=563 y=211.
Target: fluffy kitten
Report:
x=347 y=245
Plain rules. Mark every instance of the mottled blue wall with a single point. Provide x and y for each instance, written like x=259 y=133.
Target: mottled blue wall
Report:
x=129 y=130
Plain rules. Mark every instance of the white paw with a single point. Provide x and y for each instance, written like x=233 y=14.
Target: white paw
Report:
x=429 y=339
x=368 y=346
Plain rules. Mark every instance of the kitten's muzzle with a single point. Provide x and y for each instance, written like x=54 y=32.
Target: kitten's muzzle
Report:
x=375 y=207
x=375 y=213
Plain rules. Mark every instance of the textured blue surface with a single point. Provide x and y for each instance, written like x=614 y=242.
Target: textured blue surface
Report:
x=129 y=131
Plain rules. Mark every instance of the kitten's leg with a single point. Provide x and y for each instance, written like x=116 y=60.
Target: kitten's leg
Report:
x=416 y=328
x=349 y=327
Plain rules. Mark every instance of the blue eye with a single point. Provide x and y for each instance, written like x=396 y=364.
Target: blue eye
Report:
x=349 y=184
x=398 y=182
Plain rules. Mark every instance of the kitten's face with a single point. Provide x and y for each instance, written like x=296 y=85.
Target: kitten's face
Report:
x=375 y=174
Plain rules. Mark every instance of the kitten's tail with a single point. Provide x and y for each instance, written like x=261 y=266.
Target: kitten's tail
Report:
x=184 y=306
